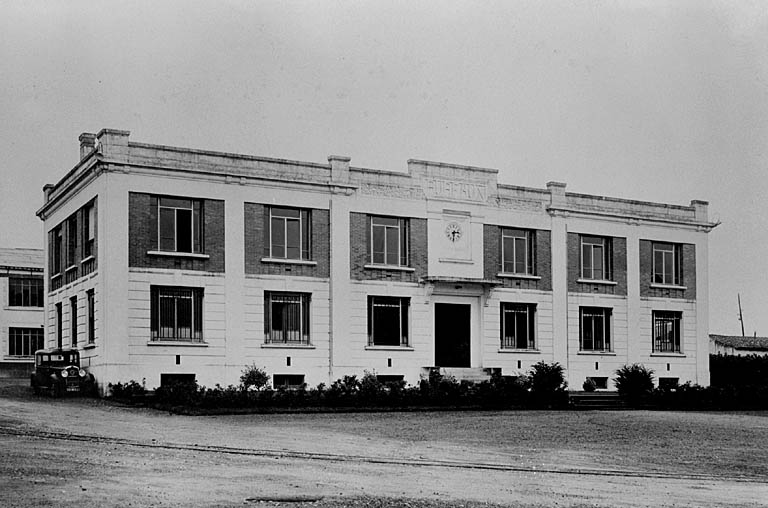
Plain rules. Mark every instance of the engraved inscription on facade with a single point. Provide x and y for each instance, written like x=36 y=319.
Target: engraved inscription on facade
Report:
x=454 y=189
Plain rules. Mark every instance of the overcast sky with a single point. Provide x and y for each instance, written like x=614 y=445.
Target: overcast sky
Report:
x=657 y=101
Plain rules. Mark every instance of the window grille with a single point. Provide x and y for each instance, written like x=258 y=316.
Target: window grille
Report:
x=387 y=321
x=518 y=326
x=286 y=318
x=177 y=314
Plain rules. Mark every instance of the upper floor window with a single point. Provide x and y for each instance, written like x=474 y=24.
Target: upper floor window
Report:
x=179 y=225
x=667 y=263
x=389 y=241
x=72 y=233
x=596 y=255
x=289 y=233
x=25 y=291
x=89 y=229
x=286 y=318
x=176 y=313
x=517 y=251
x=666 y=331
x=387 y=321
x=595 y=329
x=58 y=241
x=517 y=325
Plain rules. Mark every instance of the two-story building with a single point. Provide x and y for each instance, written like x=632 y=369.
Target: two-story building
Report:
x=168 y=262
x=21 y=310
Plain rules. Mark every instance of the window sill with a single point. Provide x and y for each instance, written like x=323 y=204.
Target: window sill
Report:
x=273 y=345
x=86 y=259
x=176 y=343
x=89 y=346
x=668 y=355
x=55 y=276
x=597 y=281
x=655 y=285
x=459 y=261
x=515 y=351
x=192 y=255
x=70 y=268
x=597 y=353
x=388 y=348
x=389 y=267
x=9 y=358
x=505 y=275
x=289 y=261
x=23 y=307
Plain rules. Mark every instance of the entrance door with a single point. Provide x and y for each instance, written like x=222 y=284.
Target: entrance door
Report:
x=452 y=334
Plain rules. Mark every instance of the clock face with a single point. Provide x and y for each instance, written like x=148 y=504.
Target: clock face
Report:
x=453 y=231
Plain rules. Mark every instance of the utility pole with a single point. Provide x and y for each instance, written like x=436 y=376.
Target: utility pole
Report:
x=741 y=317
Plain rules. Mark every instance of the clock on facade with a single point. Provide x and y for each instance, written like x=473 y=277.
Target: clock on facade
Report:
x=453 y=231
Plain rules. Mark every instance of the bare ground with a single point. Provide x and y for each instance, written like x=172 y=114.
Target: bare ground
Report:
x=93 y=453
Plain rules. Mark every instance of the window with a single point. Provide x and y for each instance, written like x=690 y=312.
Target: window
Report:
x=596 y=258
x=287 y=381
x=73 y=320
x=389 y=241
x=595 y=329
x=57 y=244
x=24 y=341
x=667 y=263
x=25 y=292
x=517 y=326
x=179 y=226
x=289 y=233
x=286 y=318
x=387 y=321
x=89 y=229
x=72 y=232
x=91 y=310
x=601 y=383
x=177 y=313
x=666 y=331
x=59 y=329
x=517 y=251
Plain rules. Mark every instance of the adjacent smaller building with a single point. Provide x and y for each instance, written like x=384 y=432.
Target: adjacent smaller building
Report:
x=736 y=345
x=21 y=312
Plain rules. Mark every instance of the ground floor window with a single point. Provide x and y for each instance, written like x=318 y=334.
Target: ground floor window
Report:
x=24 y=341
x=286 y=318
x=517 y=325
x=595 y=328
x=177 y=313
x=387 y=321
x=666 y=331
x=91 y=312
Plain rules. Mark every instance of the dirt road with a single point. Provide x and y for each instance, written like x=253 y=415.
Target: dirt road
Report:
x=95 y=454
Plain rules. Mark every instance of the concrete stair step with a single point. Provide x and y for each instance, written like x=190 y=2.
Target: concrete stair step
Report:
x=476 y=375
x=596 y=400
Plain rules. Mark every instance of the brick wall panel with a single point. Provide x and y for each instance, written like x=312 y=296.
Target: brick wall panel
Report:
x=646 y=273
x=257 y=248
x=543 y=261
x=142 y=231
x=618 y=261
x=359 y=237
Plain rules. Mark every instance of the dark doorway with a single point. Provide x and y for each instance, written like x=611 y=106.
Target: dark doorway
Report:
x=452 y=333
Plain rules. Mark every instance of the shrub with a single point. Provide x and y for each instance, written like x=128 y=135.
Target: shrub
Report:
x=547 y=384
x=253 y=377
x=634 y=382
x=589 y=385
x=130 y=390
x=179 y=394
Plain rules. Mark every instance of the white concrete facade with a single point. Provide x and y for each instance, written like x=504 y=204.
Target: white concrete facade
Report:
x=20 y=318
x=457 y=203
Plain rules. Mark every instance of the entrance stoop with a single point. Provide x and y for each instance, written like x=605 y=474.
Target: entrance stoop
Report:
x=595 y=400
x=476 y=375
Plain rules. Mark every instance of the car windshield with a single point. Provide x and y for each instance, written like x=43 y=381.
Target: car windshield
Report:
x=59 y=359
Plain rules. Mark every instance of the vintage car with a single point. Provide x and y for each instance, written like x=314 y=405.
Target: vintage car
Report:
x=58 y=372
